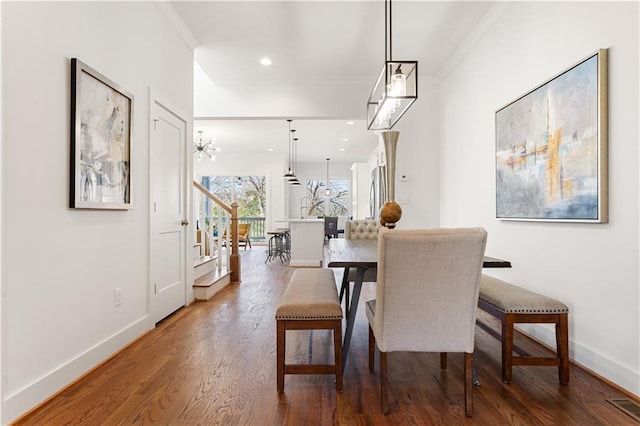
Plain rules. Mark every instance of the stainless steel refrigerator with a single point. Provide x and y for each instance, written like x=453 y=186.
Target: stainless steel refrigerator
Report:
x=377 y=191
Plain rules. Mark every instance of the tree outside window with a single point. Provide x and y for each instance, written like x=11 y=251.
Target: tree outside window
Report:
x=250 y=192
x=335 y=204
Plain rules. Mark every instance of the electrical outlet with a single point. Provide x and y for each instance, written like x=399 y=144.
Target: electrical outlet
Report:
x=117 y=296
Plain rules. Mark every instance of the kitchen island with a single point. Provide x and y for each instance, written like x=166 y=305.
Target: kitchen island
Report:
x=307 y=240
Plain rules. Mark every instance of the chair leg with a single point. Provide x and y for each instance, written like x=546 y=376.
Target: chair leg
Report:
x=468 y=384
x=248 y=242
x=384 y=383
x=372 y=349
x=280 y=347
x=562 y=348
x=443 y=360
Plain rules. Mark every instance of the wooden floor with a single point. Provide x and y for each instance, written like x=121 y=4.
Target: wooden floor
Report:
x=214 y=363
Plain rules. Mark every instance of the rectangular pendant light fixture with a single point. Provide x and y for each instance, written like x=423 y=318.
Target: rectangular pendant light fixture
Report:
x=395 y=91
x=397 y=86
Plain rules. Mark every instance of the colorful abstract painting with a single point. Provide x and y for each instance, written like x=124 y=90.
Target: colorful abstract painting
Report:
x=551 y=148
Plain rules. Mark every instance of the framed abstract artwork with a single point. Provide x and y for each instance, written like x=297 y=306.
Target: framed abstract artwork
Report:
x=101 y=116
x=551 y=148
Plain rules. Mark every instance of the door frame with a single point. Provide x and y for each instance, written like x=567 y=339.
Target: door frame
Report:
x=157 y=99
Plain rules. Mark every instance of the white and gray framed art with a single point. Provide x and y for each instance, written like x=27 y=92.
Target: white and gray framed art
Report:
x=101 y=117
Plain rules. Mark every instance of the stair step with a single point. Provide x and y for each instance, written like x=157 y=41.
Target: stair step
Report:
x=202 y=260
x=206 y=286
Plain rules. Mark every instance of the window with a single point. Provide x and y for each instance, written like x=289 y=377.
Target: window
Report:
x=250 y=192
x=335 y=204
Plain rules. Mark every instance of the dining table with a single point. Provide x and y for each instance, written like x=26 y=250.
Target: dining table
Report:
x=362 y=255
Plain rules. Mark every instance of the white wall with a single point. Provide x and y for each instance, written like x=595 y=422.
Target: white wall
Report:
x=417 y=159
x=593 y=268
x=1 y=215
x=60 y=266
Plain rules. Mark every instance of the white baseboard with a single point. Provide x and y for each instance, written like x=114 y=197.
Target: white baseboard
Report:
x=599 y=364
x=25 y=399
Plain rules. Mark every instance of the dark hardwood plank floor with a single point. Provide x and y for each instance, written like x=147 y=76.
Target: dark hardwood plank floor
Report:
x=214 y=363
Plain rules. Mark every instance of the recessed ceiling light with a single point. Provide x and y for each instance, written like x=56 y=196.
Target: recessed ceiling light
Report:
x=265 y=61
x=270 y=149
x=341 y=149
x=351 y=122
x=345 y=139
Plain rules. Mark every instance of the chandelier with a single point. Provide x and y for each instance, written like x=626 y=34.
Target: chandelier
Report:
x=396 y=88
x=204 y=148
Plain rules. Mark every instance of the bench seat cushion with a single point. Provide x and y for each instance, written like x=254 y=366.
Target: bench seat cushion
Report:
x=310 y=295
x=509 y=298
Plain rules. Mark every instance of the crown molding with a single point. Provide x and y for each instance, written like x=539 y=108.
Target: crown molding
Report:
x=496 y=11
x=176 y=21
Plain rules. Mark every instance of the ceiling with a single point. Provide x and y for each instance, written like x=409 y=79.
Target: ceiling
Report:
x=311 y=40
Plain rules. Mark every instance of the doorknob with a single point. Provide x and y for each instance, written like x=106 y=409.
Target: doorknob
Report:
x=184 y=222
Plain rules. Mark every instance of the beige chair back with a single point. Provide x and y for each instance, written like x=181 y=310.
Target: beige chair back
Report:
x=427 y=290
x=361 y=229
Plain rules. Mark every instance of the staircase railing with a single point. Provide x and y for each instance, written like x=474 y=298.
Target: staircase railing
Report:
x=227 y=217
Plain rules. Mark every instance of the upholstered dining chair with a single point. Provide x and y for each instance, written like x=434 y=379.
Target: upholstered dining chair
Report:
x=426 y=297
x=330 y=227
x=359 y=229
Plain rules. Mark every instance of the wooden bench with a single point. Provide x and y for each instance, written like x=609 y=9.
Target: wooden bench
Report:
x=512 y=304
x=310 y=302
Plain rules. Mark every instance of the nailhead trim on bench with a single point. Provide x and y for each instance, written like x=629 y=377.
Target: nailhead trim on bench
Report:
x=311 y=294
x=511 y=298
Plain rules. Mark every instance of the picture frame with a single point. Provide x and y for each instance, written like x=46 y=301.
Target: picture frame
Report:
x=101 y=124
x=551 y=148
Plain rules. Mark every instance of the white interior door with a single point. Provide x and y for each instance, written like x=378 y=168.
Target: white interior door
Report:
x=168 y=212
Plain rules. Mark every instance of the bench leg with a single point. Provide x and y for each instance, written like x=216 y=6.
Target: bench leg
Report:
x=280 y=348
x=507 y=347
x=562 y=348
x=281 y=368
x=337 y=353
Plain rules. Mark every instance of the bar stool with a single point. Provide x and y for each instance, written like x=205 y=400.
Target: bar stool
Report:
x=286 y=242
x=275 y=248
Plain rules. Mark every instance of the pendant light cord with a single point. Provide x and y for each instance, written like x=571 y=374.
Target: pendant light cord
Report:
x=388 y=32
x=327 y=173
x=290 y=145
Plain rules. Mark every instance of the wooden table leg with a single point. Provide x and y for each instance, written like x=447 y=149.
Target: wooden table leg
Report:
x=351 y=313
